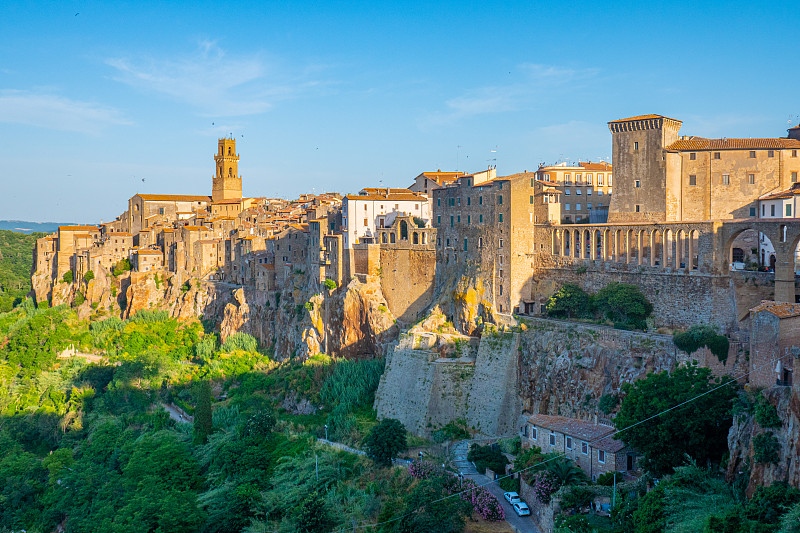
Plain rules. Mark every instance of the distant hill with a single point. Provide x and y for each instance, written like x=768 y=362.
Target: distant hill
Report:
x=21 y=226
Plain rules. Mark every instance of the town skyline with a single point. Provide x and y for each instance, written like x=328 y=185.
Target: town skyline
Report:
x=95 y=110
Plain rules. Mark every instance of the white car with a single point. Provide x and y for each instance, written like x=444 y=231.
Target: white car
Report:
x=521 y=508
x=512 y=497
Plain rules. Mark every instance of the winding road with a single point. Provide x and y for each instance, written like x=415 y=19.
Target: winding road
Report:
x=519 y=523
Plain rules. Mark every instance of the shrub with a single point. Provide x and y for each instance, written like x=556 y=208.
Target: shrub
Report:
x=89 y=276
x=765 y=448
x=123 y=265
x=624 y=304
x=545 y=484
x=454 y=430
x=329 y=284
x=385 y=441
x=607 y=479
x=487 y=457
x=420 y=469
x=240 y=341
x=67 y=278
x=703 y=335
x=570 y=301
x=79 y=299
x=576 y=497
x=766 y=414
x=608 y=402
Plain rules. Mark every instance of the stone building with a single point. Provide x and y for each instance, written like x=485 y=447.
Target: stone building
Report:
x=774 y=343
x=427 y=182
x=588 y=444
x=145 y=209
x=661 y=176
x=585 y=189
x=374 y=208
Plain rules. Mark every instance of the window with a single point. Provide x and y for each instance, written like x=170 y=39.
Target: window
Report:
x=637 y=183
x=794 y=177
x=569 y=443
x=501 y=293
x=465 y=245
x=751 y=179
x=451 y=220
x=752 y=154
x=726 y=179
x=438 y=219
x=500 y=199
x=763 y=207
x=752 y=211
x=459 y=219
x=692 y=179
x=531 y=199
x=501 y=274
x=794 y=153
x=534 y=433
x=480 y=219
x=500 y=259
x=585 y=448
x=567 y=192
x=438 y=202
x=772 y=210
x=599 y=179
x=500 y=217
x=636 y=145
x=601 y=456
x=577 y=207
x=716 y=155
x=599 y=193
x=480 y=242
x=469 y=200
x=692 y=156
x=500 y=186
x=578 y=192
x=578 y=178
x=588 y=192
x=469 y=219
x=501 y=243
x=567 y=207
x=448 y=242
x=637 y=208
x=365 y=222
x=452 y=202
x=588 y=206
x=588 y=179
x=788 y=210
x=552 y=439
x=480 y=200
x=567 y=178
x=770 y=153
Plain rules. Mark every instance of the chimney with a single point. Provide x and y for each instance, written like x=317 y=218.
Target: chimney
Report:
x=794 y=133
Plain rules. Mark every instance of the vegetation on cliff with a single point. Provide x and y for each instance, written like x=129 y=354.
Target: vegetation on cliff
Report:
x=622 y=304
x=16 y=262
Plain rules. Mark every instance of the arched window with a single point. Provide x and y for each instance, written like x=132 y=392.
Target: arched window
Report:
x=403 y=230
x=391 y=238
x=229 y=150
x=415 y=238
x=383 y=236
x=230 y=172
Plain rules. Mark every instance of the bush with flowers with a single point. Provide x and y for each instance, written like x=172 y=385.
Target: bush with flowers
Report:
x=545 y=483
x=420 y=469
x=483 y=502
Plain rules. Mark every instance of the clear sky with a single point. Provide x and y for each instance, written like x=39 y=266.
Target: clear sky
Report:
x=100 y=100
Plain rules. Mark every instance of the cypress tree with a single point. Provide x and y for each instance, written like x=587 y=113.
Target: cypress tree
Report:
x=202 y=413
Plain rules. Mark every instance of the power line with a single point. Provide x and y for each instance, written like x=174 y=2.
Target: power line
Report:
x=559 y=456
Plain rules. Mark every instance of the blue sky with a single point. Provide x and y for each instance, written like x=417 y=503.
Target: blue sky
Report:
x=330 y=96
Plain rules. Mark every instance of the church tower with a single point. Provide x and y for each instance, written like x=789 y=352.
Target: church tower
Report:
x=227 y=182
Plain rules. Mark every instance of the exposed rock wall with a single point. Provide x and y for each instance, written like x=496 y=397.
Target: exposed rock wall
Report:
x=476 y=382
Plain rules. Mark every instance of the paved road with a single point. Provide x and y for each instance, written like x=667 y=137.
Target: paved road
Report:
x=177 y=414
x=339 y=445
x=519 y=523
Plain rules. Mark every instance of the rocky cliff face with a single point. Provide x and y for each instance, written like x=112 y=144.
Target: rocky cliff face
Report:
x=744 y=430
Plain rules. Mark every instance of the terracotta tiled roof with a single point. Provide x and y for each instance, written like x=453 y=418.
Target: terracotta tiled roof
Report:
x=788 y=193
x=405 y=197
x=197 y=228
x=643 y=117
x=795 y=128
x=596 y=166
x=580 y=429
x=779 y=309
x=174 y=198
x=148 y=252
x=78 y=228
x=701 y=144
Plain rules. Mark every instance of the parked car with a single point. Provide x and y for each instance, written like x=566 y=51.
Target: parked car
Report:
x=512 y=497
x=521 y=508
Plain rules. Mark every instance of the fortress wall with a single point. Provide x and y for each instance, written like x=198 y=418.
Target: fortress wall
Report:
x=407 y=279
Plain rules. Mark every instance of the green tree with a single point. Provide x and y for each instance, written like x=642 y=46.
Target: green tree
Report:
x=566 y=472
x=314 y=516
x=67 y=278
x=624 y=304
x=570 y=301
x=426 y=510
x=89 y=276
x=698 y=429
x=203 y=422
x=701 y=335
x=487 y=457
x=385 y=441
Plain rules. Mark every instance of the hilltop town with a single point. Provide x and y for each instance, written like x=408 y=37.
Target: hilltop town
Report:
x=451 y=277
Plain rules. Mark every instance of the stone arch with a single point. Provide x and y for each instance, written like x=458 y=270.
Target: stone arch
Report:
x=415 y=238
x=383 y=237
x=403 y=230
x=424 y=237
x=669 y=248
x=392 y=237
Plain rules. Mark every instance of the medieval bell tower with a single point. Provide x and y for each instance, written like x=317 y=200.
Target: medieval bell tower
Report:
x=227 y=183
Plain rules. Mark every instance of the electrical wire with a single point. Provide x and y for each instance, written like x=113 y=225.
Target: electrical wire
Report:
x=559 y=456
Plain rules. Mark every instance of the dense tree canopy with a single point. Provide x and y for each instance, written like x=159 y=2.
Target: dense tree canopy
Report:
x=385 y=441
x=698 y=429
